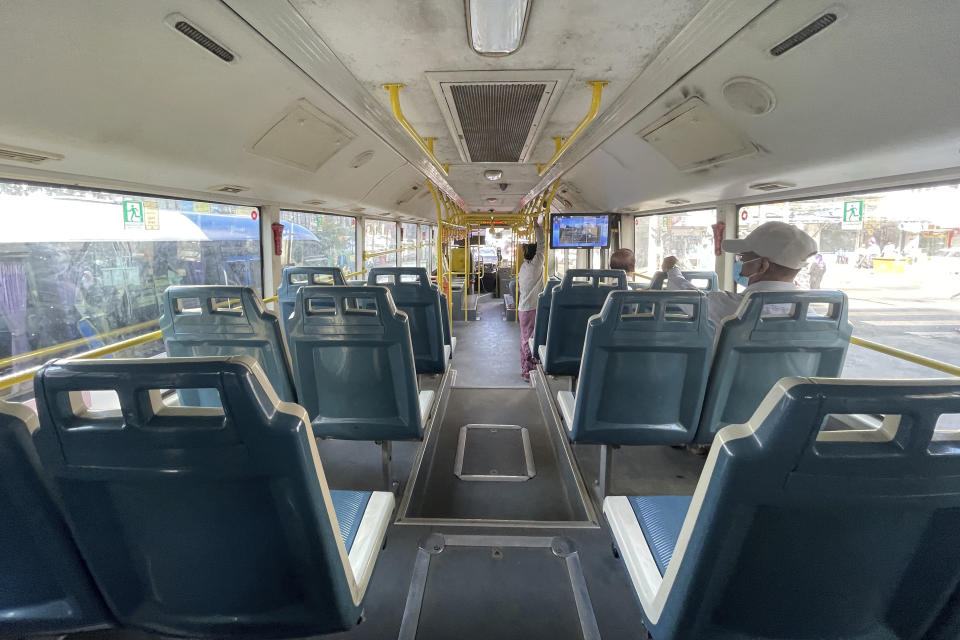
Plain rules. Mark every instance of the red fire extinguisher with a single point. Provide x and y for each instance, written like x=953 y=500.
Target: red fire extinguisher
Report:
x=277 y=238
x=718 y=230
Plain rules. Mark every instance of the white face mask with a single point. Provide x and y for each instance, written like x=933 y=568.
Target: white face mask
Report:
x=750 y=277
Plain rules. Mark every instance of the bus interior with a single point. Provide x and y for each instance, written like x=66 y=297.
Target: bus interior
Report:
x=262 y=319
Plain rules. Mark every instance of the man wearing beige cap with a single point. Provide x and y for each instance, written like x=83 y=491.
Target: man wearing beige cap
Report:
x=770 y=257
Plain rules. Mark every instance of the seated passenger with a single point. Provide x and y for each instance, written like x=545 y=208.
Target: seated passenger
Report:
x=626 y=260
x=771 y=256
x=531 y=284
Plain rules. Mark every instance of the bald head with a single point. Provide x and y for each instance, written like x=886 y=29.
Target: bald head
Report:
x=623 y=259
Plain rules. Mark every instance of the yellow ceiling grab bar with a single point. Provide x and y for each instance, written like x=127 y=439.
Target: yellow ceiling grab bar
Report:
x=564 y=143
x=427 y=147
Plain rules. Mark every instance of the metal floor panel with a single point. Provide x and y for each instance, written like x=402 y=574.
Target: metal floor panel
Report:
x=494 y=453
x=552 y=496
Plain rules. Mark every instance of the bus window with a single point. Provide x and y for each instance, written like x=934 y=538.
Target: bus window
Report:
x=380 y=243
x=319 y=240
x=895 y=254
x=688 y=236
x=428 y=253
x=408 y=238
x=76 y=264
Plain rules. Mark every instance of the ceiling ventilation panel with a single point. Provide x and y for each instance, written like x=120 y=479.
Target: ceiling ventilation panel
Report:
x=692 y=137
x=804 y=34
x=496 y=116
x=30 y=156
x=190 y=30
x=304 y=138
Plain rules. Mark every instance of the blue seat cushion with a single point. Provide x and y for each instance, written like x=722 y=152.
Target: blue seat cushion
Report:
x=660 y=518
x=349 y=506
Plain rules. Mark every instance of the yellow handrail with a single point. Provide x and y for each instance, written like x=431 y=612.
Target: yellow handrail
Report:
x=591 y=114
x=66 y=346
x=394 y=90
x=923 y=361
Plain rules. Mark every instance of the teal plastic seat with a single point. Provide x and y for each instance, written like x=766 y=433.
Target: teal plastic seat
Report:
x=640 y=340
x=539 y=337
x=799 y=532
x=754 y=350
x=354 y=366
x=205 y=522
x=703 y=280
x=213 y=329
x=449 y=340
x=45 y=588
x=579 y=295
x=415 y=295
x=295 y=277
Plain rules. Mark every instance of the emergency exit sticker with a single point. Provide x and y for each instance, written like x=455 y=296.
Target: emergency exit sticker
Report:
x=132 y=214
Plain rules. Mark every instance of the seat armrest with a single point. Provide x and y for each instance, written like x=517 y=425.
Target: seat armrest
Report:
x=566 y=402
x=426 y=404
x=369 y=538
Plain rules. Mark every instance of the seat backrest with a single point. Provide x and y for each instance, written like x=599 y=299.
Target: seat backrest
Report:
x=645 y=363
x=414 y=294
x=579 y=295
x=703 y=280
x=196 y=521
x=45 y=587
x=295 y=277
x=797 y=532
x=205 y=321
x=755 y=349
x=543 y=315
x=353 y=363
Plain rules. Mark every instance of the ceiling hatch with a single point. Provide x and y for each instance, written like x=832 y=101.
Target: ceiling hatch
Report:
x=496 y=116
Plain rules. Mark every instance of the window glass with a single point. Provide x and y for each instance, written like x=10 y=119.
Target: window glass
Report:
x=89 y=267
x=409 y=238
x=319 y=240
x=896 y=254
x=428 y=252
x=688 y=236
x=380 y=243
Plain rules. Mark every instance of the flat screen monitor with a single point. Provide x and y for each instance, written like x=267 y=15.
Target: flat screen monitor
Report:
x=580 y=231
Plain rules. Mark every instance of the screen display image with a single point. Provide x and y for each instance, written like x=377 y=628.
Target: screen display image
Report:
x=572 y=232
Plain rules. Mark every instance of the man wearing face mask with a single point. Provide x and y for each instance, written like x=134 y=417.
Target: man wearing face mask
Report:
x=770 y=258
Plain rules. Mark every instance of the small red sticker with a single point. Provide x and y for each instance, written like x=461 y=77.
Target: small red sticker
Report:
x=744 y=215
x=253 y=215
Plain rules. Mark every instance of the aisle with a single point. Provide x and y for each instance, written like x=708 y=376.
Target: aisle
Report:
x=488 y=349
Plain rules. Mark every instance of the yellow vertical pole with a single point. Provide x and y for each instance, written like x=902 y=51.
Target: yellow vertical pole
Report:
x=547 y=228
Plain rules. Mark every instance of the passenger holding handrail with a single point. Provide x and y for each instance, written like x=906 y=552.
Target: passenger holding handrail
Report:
x=771 y=256
x=531 y=284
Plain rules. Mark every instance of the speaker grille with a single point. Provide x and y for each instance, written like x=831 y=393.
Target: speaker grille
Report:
x=807 y=32
x=203 y=40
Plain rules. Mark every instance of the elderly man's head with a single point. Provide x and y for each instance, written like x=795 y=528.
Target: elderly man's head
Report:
x=772 y=251
x=623 y=259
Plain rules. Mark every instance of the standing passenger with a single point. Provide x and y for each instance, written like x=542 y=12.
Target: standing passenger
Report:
x=531 y=284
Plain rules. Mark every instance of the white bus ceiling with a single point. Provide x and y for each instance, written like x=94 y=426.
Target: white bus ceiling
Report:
x=130 y=103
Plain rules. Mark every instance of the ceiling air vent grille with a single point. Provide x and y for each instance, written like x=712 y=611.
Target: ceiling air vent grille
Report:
x=496 y=118
x=31 y=156
x=229 y=188
x=771 y=186
x=807 y=32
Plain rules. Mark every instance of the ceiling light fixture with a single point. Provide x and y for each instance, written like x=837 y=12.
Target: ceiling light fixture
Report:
x=491 y=200
x=496 y=27
x=493 y=174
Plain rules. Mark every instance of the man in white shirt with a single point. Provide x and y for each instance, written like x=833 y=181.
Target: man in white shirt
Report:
x=771 y=256
x=530 y=281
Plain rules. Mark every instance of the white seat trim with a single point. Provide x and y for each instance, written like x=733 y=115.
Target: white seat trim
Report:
x=447 y=354
x=634 y=549
x=530 y=345
x=542 y=352
x=369 y=538
x=453 y=345
x=426 y=404
x=566 y=402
